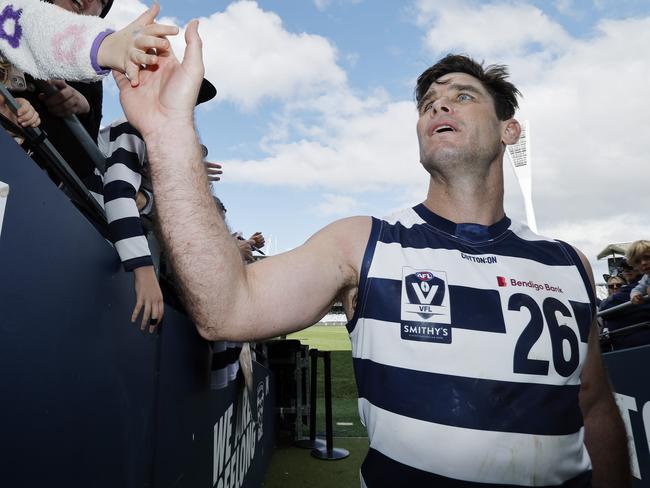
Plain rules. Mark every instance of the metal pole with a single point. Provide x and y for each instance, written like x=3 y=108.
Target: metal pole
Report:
x=312 y=442
x=329 y=452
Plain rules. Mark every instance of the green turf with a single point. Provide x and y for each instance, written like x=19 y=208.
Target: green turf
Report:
x=292 y=467
x=324 y=337
x=344 y=397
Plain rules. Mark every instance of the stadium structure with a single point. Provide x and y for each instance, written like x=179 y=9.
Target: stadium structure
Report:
x=519 y=155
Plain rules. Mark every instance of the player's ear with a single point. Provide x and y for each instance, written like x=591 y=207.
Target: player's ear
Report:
x=511 y=130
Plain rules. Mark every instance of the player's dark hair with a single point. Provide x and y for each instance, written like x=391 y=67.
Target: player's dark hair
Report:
x=493 y=78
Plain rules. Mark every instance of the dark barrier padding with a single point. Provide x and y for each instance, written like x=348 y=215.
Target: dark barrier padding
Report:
x=87 y=399
x=628 y=371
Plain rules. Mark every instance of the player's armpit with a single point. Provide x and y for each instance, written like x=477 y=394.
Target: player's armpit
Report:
x=293 y=290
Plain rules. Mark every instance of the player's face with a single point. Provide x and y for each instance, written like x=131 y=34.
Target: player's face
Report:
x=85 y=7
x=458 y=124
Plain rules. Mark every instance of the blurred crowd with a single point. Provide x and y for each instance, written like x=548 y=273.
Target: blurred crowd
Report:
x=627 y=303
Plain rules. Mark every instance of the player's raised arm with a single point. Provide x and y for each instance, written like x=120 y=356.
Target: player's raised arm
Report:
x=227 y=299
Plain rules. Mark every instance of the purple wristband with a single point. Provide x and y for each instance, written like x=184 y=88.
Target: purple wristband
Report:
x=95 y=49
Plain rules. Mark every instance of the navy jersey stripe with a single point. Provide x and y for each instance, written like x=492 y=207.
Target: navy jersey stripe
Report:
x=423 y=236
x=362 y=293
x=584 y=318
x=583 y=274
x=123 y=128
x=125 y=228
x=130 y=159
x=380 y=471
x=118 y=189
x=472 y=403
x=471 y=308
x=139 y=262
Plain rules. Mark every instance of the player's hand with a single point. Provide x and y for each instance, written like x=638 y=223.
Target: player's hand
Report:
x=149 y=299
x=127 y=49
x=167 y=94
x=66 y=101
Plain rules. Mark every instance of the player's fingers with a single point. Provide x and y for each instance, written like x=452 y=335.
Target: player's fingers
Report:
x=193 y=56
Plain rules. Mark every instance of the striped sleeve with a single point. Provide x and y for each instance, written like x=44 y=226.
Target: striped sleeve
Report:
x=126 y=152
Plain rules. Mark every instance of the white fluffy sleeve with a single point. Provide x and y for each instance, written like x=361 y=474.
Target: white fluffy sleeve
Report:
x=49 y=42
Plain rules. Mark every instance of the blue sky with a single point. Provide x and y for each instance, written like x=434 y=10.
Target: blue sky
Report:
x=315 y=121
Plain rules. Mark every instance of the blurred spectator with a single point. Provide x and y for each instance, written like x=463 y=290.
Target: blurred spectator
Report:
x=636 y=315
x=638 y=256
x=628 y=272
x=614 y=283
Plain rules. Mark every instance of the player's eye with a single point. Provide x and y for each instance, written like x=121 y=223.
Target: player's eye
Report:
x=464 y=97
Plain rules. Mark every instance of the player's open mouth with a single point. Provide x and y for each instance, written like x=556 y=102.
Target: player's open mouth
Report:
x=444 y=128
x=78 y=4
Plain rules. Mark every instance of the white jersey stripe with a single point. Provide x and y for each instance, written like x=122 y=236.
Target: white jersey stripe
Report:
x=380 y=337
x=488 y=457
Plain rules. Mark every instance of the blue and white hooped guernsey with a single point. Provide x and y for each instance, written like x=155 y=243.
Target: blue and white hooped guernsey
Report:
x=468 y=342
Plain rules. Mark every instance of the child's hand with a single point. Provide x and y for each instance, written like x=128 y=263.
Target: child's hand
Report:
x=149 y=298
x=636 y=299
x=127 y=49
x=27 y=116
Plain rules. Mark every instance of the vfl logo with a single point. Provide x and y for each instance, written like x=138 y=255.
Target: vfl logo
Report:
x=426 y=290
x=425 y=296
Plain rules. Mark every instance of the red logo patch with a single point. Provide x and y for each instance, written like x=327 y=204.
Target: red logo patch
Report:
x=501 y=281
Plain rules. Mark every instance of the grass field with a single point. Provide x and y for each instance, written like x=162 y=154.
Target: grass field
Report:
x=324 y=337
x=293 y=467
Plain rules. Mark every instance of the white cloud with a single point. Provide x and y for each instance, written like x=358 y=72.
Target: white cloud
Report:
x=337 y=205
x=360 y=151
x=250 y=56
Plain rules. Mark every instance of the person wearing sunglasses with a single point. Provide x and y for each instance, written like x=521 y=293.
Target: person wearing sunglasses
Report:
x=614 y=283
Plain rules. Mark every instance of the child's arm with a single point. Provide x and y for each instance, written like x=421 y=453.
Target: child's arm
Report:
x=636 y=295
x=50 y=42
x=121 y=182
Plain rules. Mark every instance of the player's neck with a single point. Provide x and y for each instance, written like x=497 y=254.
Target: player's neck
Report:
x=469 y=199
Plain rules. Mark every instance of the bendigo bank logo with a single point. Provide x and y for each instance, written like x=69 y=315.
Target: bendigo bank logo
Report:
x=425 y=311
